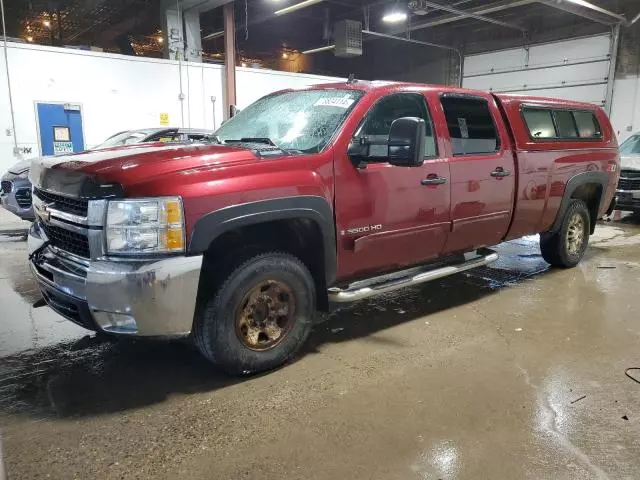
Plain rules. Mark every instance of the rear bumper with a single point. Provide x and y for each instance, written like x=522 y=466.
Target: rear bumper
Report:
x=139 y=298
x=628 y=200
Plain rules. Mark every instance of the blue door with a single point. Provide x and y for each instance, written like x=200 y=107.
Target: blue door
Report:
x=60 y=128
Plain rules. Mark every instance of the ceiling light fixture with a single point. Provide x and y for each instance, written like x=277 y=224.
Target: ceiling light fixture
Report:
x=213 y=35
x=285 y=55
x=319 y=49
x=160 y=39
x=394 y=16
x=297 y=6
x=29 y=38
x=47 y=23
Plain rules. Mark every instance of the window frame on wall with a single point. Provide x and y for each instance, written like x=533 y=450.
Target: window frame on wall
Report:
x=429 y=120
x=558 y=138
x=475 y=98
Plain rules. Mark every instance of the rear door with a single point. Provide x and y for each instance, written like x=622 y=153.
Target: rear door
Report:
x=482 y=171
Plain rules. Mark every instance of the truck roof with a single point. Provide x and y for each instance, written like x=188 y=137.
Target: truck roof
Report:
x=389 y=87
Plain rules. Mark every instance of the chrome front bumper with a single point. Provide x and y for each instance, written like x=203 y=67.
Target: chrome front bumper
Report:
x=128 y=297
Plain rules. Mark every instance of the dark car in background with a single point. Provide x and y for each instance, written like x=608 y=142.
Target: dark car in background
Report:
x=15 y=192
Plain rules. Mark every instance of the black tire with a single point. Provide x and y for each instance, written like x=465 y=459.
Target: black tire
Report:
x=561 y=249
x=216 y=331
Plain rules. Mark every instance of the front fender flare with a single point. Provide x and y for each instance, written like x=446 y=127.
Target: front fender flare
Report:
x=314 y=208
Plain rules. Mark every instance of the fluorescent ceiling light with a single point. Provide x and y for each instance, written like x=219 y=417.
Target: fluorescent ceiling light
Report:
x=394 y=17
x=319 y=49
x=213 y=35
x=297 y=6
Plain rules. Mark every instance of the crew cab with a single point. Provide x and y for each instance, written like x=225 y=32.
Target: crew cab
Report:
x=306 y=200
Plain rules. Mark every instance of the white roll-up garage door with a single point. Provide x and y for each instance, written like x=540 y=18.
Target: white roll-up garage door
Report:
x=570 y=69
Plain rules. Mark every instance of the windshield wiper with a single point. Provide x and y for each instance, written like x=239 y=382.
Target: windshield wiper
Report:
x=264 y=140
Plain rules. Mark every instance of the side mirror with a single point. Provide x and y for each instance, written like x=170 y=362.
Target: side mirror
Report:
x=358 y=150
x=407 y=142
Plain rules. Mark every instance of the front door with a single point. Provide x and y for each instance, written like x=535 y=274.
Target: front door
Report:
x=60 y=127
x=389 y=217
x=482 y=172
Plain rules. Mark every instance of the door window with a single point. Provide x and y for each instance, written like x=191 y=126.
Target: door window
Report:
x=470 y=125
x=377 y=125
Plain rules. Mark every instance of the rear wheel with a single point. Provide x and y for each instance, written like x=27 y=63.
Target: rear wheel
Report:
x=566 y=247
x=260 y=316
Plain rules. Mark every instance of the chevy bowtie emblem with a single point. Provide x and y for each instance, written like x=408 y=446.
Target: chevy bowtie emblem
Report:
x=44 y=212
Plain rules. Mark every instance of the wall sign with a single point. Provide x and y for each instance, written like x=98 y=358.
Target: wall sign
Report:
x=164 y=119
x=60 y=148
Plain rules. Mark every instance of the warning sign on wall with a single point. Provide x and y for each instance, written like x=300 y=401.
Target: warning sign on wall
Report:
x=164 y=119
x=60 y=148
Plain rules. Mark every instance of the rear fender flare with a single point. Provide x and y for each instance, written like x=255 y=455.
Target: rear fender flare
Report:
x=314 y=208
x=600 y=178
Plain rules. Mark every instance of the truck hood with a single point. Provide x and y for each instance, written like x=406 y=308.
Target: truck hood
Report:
x=20 y=167
x=630 y=162
x=94 y=173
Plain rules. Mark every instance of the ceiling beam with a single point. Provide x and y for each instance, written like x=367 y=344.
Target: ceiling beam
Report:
x=576 y=10
x=471 y=14
x=483 y=10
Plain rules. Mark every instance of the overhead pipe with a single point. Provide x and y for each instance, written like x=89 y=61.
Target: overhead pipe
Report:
x=6 y=66
x=426 y=44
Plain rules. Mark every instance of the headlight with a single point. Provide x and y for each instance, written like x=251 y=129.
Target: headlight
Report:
x=149 y=225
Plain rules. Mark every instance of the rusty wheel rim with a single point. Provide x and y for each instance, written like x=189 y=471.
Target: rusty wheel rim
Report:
x=575 y=234
x=266 y=315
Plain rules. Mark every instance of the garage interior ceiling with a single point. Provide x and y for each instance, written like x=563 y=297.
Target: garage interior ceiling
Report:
x=265 y=26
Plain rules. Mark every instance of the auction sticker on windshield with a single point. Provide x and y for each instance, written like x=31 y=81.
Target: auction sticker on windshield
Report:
x=341 y=102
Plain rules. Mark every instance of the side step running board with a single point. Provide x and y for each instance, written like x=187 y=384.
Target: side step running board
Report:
x=388 y=283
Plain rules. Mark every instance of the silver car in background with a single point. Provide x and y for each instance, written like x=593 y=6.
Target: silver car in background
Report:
x=15 y=195
x=628 y=191
x=15 y=192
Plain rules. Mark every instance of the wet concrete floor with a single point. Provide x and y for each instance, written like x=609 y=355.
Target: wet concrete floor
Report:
x=506 y=372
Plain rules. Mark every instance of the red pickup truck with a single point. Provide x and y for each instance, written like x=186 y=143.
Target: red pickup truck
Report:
x=307 y=199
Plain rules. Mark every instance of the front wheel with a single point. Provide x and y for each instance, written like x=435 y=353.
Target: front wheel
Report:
x=566 y=247
x=260 y=316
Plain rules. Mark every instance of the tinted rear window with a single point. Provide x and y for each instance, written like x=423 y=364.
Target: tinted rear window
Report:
x=588 y=126
x=566 y=125
x=560 y=124
x=540 y=123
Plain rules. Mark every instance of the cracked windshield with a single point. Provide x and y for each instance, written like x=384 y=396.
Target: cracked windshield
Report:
x=304 y=121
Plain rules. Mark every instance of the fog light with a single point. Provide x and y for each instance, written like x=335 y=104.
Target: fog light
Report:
x=112 y=322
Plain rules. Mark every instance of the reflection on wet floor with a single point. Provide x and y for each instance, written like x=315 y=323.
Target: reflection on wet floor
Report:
x=51 y=366
x=512 y=370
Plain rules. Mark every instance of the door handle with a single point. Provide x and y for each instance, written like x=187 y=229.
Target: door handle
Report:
x=433 y=179
x=500 y=172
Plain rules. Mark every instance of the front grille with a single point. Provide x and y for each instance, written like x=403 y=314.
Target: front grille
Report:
x=630 y=173
x=75 y=206
x=67 y=240
x=629 y=183
x=6 y=186
x=23 y=197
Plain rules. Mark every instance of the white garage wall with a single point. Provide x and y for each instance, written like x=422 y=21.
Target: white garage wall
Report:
x=571 y=69
x=625 y=109
x=119 y=92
